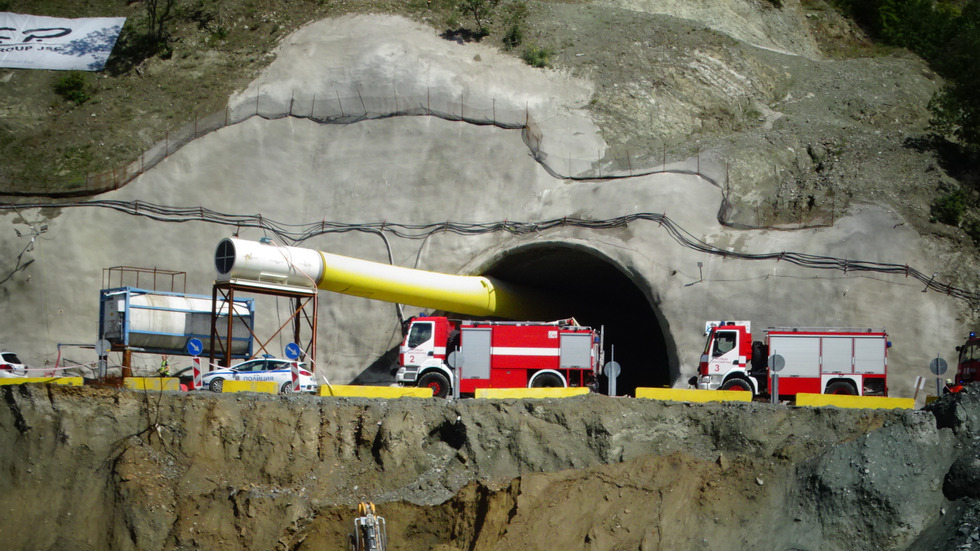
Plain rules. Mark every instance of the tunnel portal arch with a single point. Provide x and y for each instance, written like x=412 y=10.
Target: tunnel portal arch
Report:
x=598 y=291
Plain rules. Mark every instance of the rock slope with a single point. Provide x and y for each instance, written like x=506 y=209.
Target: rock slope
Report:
x=129 y=470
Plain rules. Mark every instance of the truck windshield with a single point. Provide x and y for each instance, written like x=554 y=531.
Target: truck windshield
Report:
x=724 y=342
x=419 y=333
x=970 y=353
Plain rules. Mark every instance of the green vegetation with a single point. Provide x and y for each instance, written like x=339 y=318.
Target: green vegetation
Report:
x=515 y=19
x=536 y=57
x=973 y=230
x=946 y=33
x=502 y=18
x=158 y=15
x=73 y=87
x=949 y=208
x=481 y=11
x=513 y=37
x=135 y=45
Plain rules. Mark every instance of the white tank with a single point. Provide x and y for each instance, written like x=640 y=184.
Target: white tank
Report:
x=163 y=323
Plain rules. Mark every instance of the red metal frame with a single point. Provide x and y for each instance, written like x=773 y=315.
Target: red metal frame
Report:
x=305 y=310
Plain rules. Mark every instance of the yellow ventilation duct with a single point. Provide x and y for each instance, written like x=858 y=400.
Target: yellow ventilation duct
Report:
x=239 y=259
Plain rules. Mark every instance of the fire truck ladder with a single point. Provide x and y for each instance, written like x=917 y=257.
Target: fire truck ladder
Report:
x=370 y=533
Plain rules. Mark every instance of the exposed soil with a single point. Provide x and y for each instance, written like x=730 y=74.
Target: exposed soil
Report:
x=129 y=470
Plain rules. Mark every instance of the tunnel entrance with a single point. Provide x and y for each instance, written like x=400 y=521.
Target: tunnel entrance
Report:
x=590 y=287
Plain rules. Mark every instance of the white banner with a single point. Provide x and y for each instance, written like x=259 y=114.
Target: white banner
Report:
x=36 y=42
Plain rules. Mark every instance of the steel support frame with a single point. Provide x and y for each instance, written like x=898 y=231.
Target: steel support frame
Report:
x=304 y=314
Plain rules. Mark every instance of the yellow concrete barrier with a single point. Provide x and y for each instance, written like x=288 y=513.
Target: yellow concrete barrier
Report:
x=375 y=391
x=70 y=381
x=550 y=392
x=268 y=387
x=693 y=395
x=858 y=402
x=152 y=383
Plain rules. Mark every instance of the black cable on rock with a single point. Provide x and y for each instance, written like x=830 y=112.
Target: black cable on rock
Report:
x=297 y=233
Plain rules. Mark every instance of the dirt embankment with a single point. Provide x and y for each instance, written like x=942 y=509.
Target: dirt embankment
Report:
x=107 y=469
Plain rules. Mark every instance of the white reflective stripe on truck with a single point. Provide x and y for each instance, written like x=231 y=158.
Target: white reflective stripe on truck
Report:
x=519 y=351
x=422 y=351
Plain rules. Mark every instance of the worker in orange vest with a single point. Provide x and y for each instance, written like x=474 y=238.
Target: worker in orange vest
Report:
x=951 y=388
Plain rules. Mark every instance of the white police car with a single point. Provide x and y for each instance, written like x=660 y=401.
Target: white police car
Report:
x=262 y=369
x=11 y=366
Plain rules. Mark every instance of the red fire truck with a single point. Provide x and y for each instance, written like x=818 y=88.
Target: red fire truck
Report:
x=968 y=367
x=437 y=352
x=811 y=360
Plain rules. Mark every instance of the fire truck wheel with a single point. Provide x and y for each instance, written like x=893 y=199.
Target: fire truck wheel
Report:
x=437 y=382
x=547 y=380
x=736 y=384
x=841 y=387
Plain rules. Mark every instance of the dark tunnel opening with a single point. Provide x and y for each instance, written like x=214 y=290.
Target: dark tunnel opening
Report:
x=597 y=293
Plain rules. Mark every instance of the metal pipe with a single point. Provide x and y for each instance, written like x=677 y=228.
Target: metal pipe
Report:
x=472 y=295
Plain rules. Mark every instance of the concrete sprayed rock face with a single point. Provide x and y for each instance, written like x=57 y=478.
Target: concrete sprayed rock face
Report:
x=125 y=470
